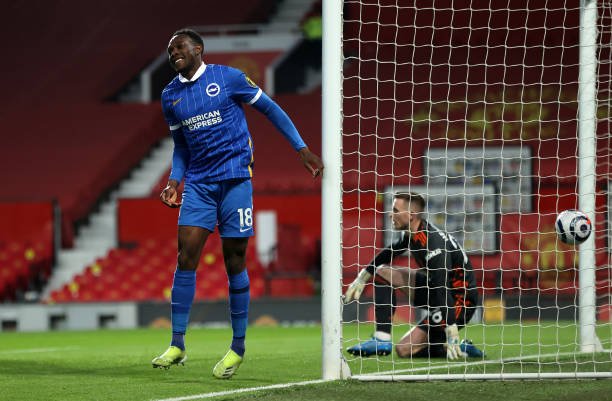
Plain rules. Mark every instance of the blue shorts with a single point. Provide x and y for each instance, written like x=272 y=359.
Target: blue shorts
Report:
x=226 y=203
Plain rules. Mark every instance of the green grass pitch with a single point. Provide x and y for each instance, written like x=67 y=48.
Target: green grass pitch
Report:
x=115 y=365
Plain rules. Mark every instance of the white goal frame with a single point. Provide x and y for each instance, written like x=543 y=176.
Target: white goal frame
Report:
x=333 y=364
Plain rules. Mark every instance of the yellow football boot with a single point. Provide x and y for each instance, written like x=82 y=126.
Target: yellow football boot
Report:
x=172 y=356
x=227 y=366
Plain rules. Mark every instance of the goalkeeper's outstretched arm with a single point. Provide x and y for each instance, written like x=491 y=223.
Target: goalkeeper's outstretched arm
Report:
x=384 y=257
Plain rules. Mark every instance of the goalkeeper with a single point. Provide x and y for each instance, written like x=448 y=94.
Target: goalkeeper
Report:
x=444 y=286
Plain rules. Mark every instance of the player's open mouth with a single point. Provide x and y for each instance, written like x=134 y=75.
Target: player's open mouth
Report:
x=177 y=60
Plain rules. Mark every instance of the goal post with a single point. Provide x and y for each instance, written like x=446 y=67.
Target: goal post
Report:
x=331 y=213
x=587 y=118
x=500 y=115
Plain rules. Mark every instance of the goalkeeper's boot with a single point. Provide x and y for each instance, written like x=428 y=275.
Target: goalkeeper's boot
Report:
x=370 y=347
x=227 y=366
x=471 y=350
x=172 y=356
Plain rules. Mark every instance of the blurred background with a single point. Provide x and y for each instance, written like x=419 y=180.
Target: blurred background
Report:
x=434 y=98
x=86 y=152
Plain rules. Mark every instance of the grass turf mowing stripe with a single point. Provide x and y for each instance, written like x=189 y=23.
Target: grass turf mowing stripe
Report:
x=243 y=390
x=373 y=375
x=37 y=350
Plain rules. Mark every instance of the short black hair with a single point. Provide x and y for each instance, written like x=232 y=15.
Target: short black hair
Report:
x=412 y=197
x=193 y=35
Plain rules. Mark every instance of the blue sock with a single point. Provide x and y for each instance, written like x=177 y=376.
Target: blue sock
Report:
x=178 y=340
x=239 y=297
x=183 y=291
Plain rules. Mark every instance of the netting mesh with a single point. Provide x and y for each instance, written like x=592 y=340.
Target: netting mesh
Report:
x=475 y=106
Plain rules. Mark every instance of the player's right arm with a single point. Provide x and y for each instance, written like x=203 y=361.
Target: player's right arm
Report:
x=180 y=155
x=384 y=257
x=180 y=162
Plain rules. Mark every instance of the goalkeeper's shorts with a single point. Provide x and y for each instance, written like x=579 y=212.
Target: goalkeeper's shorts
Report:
x=433 y=322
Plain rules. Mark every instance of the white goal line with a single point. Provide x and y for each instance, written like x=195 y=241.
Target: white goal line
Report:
x=243 y=390
x=487 y=376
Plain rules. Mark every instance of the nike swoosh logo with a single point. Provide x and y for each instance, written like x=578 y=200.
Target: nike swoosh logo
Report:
x=176 y=101
x=245 y=229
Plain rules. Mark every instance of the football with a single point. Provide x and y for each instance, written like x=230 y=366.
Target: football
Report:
x=573 y=227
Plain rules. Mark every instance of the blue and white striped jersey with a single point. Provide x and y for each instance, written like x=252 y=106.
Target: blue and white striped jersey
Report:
x=205 y=115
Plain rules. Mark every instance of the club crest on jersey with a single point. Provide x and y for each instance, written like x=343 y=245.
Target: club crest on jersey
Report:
x=250 y=82
x=213 y=89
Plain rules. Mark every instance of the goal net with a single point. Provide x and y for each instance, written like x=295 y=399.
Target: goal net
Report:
x=498 y=113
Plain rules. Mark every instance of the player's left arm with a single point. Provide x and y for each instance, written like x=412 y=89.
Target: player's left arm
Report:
x=283 y=123
x=439 y=264
x=248 y=92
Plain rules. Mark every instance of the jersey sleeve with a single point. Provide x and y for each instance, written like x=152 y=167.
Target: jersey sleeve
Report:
x=438 y=264
x=387 y=255
x=246 y=91
x=243 y=89
x=173 y=122
x=180 y=154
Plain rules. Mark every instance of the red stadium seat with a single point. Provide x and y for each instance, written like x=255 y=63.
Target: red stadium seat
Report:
x=291 y=287
x=145 y=273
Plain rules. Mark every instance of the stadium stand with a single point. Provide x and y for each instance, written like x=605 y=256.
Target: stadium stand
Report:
x=74 y=160
x=300 y=69
x=84 y=146
x=148 y=256
x=145 y=273
x=414 y=98
x=86 y=51
x=26 y=247
x=83 y=53
x=406 y=82
x=62 y=141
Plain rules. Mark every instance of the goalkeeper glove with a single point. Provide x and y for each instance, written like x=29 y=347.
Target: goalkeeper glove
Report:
x=453 y=349
x=353 y=292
